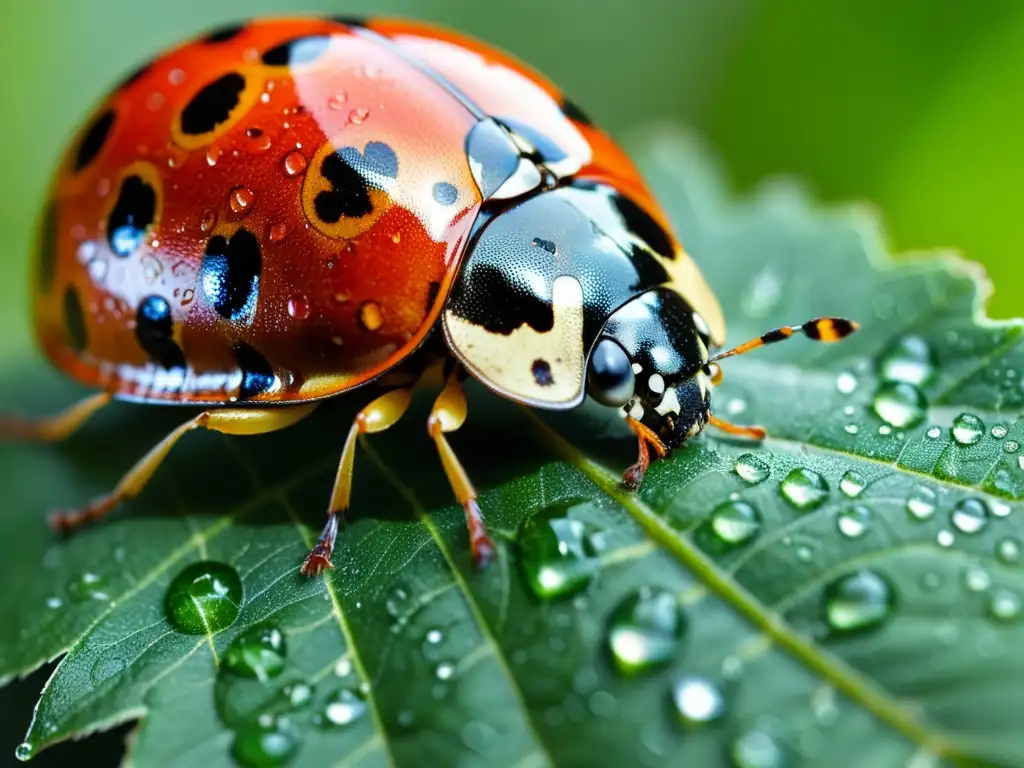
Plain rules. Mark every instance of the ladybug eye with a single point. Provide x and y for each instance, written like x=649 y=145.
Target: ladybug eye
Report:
x=610 y=377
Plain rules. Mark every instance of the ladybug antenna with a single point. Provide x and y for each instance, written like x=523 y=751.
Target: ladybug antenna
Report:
x=826 y=329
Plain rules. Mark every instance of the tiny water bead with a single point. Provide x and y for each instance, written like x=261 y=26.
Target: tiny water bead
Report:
x=804 y=489
x=733 y=524
x=1012 y=446
x=25 y=751
x=846 y=383
x=909 y=359
x=852 y=483
x=977 y=579
x=998 y=431
x=258 y=652
x=899 y=404
x=858 y=601
x=855 y=521
x=969 y=516
x=267 y=743
x=645 y=631
x=922 y=502
x=1008 y=550
x=558 y=555
x=1005 y=605
x=88 y=586
x=204 y=597
x=757 y=749
x=968 y=429
x=344 y=708
x=752 y=469
x=934 y=432
x=697 y=700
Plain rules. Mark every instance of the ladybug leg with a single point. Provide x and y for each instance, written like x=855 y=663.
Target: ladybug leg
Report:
x=381 y=414
x=227 y=421
x=53 y=429
x=447 y=415
x=754 y=433
x=646 y=439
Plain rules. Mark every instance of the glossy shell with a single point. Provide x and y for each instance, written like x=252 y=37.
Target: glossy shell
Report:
x=277 y=212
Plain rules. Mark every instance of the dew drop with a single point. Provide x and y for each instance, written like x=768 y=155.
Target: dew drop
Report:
x=1008 y=550
x=205 y=597
x=358 y=115
x=298 y=307
x=258 y=652
x=804 y=489
x=558 y=556
x=337 y=100
x=969 y=516
x=852 y=484
x=757 y=749
x=294 y=164
x=208 y=221
x=855 y=521
x=1011 y=446
x=967 y=429
x=945 y=538
x=858 y=601
x=645 y=631
x=1005 y=605
x=846 y=383
x=434 y=636
x=933 y=432
x=213 y=155
x=344 y=667
x=344 y=708
x=444 y=670
x=998 y=431
x=909 y=359
x=752 y=469
x=977 y=579
x=899 y=404
x=259 y=142
x=298 y=695
x=241 y=199
x=88 y=586
x=921 y=503
x=733 y=524
x=697 y=700
x=277 y=233
x=54 y=602
x=24 y=752
x=266 y=744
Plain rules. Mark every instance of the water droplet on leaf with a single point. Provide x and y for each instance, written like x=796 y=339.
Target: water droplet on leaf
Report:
x=852 y=483
x=733 y=524
x=757 y=749
x=88 y=586
x=804 y=489
x=969 y=516
x=909 y=359
x=846 y=383
x=1004 y=605
x=968 y=429
x=858 y=601
x=855 y=521
x=645 y=631
x=344 y=708
x=558 y=556
x=258 y=652
x=921 y=502
x=751 y=468
x=1008 y=550
x=266 y=745
x=899 y=404
x=977 y=579
x=697 y=700
x=203 y=598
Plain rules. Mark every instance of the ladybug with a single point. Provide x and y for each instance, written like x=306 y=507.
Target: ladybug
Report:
x=283 y=211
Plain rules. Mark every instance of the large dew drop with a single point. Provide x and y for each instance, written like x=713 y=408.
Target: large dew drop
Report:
x=909 y=359
x=258 y=652
x=969 y=516
x=804 y=489
x=751 y=468
x=204 y=598
x=697 y=700
x=757 y=749
x=921 y=502
x=645 y=631
x=968 y=429
x=852 y=484
x=268 y=743
x=732 y=524
x=858 y=601
x=855 y=521
x=899 y=404
x=558 y=555
x=344 y=708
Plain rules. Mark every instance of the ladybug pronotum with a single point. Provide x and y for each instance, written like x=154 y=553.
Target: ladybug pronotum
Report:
x=283 y=211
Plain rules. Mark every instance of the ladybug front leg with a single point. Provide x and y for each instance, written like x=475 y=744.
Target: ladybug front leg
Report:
x=53 y=429
x=238 y=421
x=447 y=415
x=646 y=439
x=381 y=414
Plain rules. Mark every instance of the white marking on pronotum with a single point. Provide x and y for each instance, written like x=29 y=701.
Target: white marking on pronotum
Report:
x=656 y=383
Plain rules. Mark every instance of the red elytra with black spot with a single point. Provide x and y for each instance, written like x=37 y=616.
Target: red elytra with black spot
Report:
x=194 y=253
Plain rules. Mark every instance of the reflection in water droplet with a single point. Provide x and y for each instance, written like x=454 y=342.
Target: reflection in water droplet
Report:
x=358 y=115
x=846 y=383
x=1008 y=550
x=854 y=522
x=909 y=359
x=751 y=468
x=241 y=199
x=804 y=489
x=1011 y=446
x=756 y=749
x=258 y=652
x=968 y=429
x=1004 y=605
x=88 y=586
x=933 y=432
x=294 y=163
x=344 y=708
x=337 y=100
x=266 y=744
x=645 y=631
x=558 y=555
x=444 y=670
x=858 y=601
x=298 y=307
x=732 y=524
x=921 y=502
x=969 y=516
x=24 y=751
x=852 y=483
x=945 y=539
x=899 y=404
x=697 y=700
x=977 y=579
x=998 y=431
x=204 y=597
x=277 y=232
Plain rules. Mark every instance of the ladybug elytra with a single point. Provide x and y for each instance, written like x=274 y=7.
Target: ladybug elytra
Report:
x=286 y=210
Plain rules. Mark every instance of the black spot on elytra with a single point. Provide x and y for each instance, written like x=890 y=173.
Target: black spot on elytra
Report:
x=300 y=50
x=541 y=370
x=572 y=110
x=133 y=213
x=224 y=34
x=352 y=175
x=212 y=105
x=94 y=139
x=445 y=193
x=350 y=21
x=500 y=305
x=154 y=329
x=644 y=226
x=257 y=374
x=230 y=275
x=74 y=320
x=48 y=247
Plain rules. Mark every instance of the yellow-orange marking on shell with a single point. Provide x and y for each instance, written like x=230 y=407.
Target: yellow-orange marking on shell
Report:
x=370 y=316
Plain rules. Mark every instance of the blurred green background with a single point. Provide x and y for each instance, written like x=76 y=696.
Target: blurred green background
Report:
x=913 y=105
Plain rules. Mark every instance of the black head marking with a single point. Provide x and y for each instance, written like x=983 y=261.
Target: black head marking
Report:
x=93 y=139
x=154 y=329
x=352 y=175
x=230 y=275
x=445 y=193
x=224 y=34
x=74 y=320
x=350 y=21
x=644 y=226
x=541 y=370
x=573 y=112
x=493 y=300
x=300 y=50
x=257 y=374
x=133 y=214
x=212 y=105
x=48 y=248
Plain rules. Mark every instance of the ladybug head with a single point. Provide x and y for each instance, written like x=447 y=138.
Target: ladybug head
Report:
x=651 y=360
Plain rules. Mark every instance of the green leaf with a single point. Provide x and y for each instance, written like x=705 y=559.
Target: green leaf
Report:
x=847 y=592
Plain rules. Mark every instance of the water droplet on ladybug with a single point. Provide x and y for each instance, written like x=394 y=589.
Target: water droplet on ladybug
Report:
x=209 y=220
x=298 y=307
x=396 y=238
x=277 y=233
x=294 y=163
x=341 y=297
x=176 y=76
x=337 y=100
x=213 y=154
x=259 y=142
x=241 y=199
x=155 y=101
x=358 y=115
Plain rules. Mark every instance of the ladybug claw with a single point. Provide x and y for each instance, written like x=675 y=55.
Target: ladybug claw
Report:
x=317 y=561
x=66 y=520
x=633 y=477
x=483 y=552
